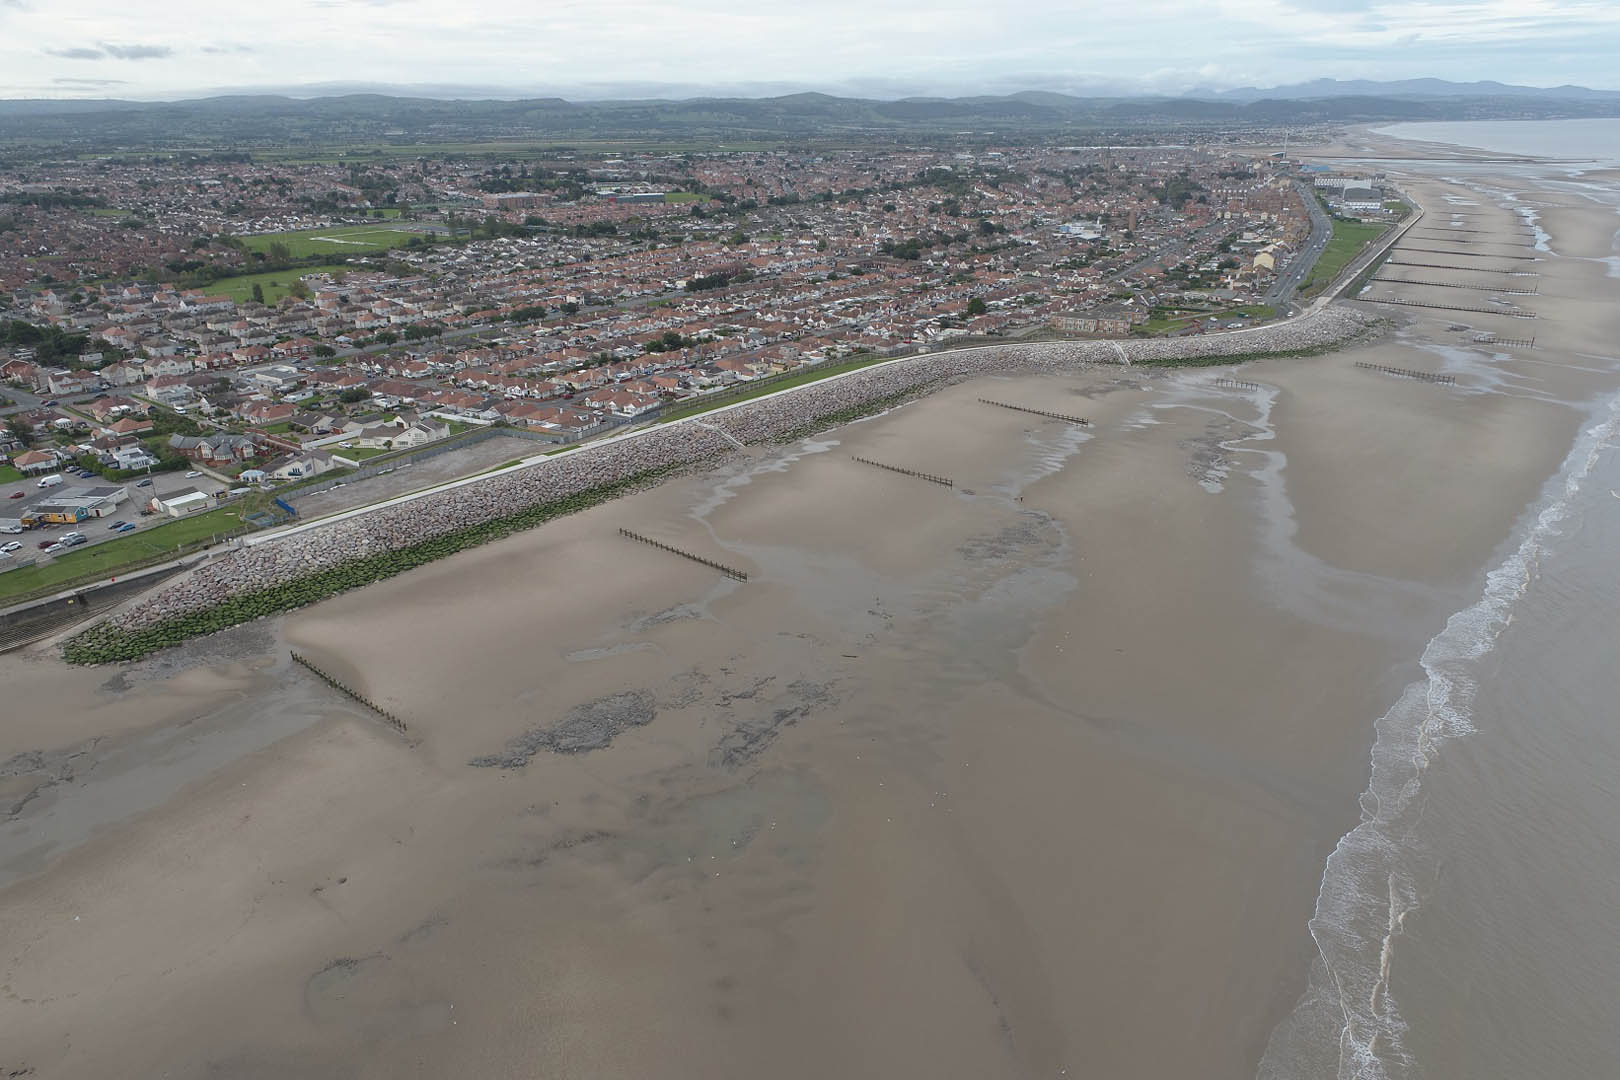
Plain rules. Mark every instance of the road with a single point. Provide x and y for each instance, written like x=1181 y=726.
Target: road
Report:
x=1288 y=283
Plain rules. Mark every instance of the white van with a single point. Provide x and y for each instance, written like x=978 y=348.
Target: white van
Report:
x=50 y=481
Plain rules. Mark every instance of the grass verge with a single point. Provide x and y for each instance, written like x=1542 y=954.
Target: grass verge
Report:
x=96 y=561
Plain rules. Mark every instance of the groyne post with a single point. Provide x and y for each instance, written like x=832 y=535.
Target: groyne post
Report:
x=729 y=571
x=1443 y=380
x=1037 y=412
x=930 y=477
x=393 y=721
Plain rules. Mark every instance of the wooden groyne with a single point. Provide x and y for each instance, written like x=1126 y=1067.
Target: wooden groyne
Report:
x=1472 y=254
x=1512 y=343
x=1237 y=384
x=1443 y=380
x=1457 y=285
x=1037 y=412
x=1444 y=231
x=1465 y=269
x=930 y=477
x=393 y=721
x=730 y=572
x=1512 y=313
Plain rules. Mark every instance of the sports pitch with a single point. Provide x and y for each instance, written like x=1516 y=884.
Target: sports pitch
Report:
x=342 y=240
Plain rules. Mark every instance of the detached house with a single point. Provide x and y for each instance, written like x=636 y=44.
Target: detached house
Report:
x=222 y=449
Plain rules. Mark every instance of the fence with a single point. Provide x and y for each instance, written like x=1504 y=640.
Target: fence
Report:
x=1444 y=380
x=930 y=477
x=393 y=721
x=1037 y=412
x=660 y=545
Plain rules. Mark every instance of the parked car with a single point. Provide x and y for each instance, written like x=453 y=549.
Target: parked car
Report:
x=117 y=524
x=18 y=494
x=145 y=483
x=125 y=527
x=193 y=475
x=12 y=529
x=54 y=546
x=43 y=544
x=12 y=546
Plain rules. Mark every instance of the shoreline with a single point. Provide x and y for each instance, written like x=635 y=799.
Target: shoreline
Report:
x=263 y=578
x=987 y=780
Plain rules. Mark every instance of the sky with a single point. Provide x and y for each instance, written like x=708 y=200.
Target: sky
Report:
x=877 y=48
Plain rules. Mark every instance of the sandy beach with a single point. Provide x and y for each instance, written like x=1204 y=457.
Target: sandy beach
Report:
x=1031 y=776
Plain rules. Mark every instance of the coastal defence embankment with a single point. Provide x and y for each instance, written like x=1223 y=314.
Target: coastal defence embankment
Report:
x=307 y=565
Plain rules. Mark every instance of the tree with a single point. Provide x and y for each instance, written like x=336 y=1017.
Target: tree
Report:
x=354 y=394
x=976 y=306
x=258 y=293
x=325 y=351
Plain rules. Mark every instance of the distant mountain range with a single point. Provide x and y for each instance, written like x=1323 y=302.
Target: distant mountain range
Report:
x=245 y=120
x=1427 y=89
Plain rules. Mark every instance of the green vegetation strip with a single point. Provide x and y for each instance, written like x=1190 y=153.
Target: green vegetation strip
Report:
x=1239 y=357
x=105 y=643
x=113 y=557
x=1349 y=238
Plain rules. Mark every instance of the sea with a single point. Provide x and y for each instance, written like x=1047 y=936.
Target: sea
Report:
x=1589 y=140
x=1469 y=926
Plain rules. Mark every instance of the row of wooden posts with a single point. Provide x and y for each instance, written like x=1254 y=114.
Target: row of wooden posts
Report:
x=1444 y=380
x=930 y=477
x=1472 y=254
x=1037 y=412
x=1458 y=285
x=1515 y=313
x=730 y=572
x=1465 y=269
x=1237 y=384
x=1512 y=343
x=393 y=721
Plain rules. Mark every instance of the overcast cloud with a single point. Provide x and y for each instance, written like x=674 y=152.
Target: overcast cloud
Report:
x=594 y=48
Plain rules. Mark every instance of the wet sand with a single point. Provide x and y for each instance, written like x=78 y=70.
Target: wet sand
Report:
x=1034 y=776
